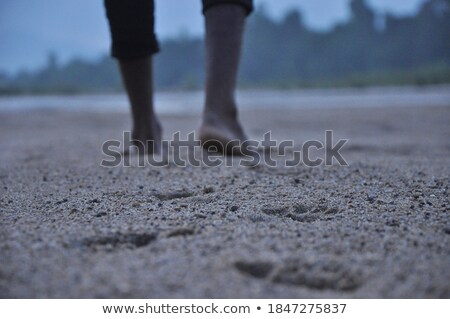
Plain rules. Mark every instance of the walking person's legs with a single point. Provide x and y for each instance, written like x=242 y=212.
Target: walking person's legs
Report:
x=224 y=21
x=133 y=44
x=137 y=78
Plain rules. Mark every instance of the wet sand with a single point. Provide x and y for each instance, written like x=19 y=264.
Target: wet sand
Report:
x=378 y=228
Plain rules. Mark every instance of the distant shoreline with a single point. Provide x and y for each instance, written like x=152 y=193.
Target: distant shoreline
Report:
x=190 y=102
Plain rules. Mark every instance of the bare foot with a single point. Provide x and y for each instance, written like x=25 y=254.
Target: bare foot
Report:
x=146 y=138
x=222 y=133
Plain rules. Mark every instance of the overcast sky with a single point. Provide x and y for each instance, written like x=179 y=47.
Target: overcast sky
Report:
x=29 y=29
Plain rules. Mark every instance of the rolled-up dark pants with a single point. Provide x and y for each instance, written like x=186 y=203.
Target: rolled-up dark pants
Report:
x=132 y=23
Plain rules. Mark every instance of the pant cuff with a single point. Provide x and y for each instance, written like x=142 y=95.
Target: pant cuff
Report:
x=246 y=4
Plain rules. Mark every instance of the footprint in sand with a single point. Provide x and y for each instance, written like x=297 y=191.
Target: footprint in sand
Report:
x=163 y=196
x=302 y=213
x=320 y=274
x=118 y=241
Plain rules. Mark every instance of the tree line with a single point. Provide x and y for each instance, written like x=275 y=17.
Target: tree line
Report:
x=368 y=49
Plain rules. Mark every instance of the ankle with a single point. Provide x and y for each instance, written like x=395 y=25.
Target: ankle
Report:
x=220 y=111
x=215 y=117
x=145 y=129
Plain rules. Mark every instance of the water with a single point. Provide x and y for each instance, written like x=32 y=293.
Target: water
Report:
x=191 y=102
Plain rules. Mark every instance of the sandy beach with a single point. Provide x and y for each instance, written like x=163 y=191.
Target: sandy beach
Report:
x=378 y=228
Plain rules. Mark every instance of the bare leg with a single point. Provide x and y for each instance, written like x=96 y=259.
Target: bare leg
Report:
x=138 y=81
x=224 y=30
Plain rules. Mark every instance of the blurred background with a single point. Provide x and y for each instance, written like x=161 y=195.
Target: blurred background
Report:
x=62 y=47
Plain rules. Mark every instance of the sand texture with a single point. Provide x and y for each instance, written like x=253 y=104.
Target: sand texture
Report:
x=377 y=228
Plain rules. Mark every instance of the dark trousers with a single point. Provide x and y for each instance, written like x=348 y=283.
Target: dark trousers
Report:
x=131 y=23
